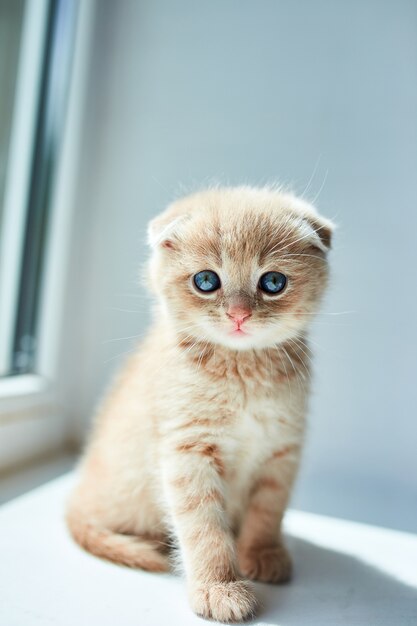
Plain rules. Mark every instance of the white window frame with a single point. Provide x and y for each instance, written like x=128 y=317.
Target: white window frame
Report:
x=33 y=416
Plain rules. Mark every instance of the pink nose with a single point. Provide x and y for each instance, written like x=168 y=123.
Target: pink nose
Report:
x=238 y=314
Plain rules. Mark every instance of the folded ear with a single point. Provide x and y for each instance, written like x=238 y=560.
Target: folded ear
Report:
x=163 y=230
x=314 y=228
x=322 y=230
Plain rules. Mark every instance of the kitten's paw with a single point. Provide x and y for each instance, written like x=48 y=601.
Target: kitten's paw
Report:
x=269 y=564
x=232 y=601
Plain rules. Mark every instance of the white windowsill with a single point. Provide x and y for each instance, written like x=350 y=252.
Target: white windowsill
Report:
x=346 y=574
x=28 y=384
x=19 y=480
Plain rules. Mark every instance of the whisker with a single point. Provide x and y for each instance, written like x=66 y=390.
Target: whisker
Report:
x=200 y=359
x=296 y=371
x=321 y=188
x=311 y=177
x=125 y=310
x=299 y=344
x=286 y=373
x=295 y=341
x=180 y=330
x=121 y=338
x=143 y=296
x=119 y=355
x=292 y=243
x=313 y=256
x=329 y=320
x=193 y=344
x=329 y=313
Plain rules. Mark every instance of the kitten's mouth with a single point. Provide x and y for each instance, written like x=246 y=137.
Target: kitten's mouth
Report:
x=238 y=332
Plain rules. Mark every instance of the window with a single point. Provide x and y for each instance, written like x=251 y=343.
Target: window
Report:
x=36 y=54
x=44 y=49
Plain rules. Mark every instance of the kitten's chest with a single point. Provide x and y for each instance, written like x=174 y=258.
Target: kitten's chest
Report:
x=254 y=425
x=250 y=440
x=262 y=427
x=253 y=411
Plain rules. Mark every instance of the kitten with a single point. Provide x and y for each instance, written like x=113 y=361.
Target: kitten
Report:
x=198 y=443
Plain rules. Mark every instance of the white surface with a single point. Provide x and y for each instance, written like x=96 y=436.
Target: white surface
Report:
x=18 y=481
x=345 y=574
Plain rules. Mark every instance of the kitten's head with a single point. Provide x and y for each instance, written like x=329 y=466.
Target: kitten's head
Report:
x=241 y=267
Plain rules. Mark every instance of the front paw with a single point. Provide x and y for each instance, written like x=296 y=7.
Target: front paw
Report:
x=269 y=564
x=231 y=601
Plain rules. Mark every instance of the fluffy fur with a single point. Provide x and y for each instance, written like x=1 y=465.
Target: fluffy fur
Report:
x=198 y=443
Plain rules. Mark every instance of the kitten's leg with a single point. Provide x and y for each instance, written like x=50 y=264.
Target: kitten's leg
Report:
x=261 y=552
x=193 y=480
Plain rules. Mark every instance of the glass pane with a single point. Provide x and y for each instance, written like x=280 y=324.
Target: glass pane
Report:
x=50 y=124
x=36 y=41
x=12 y=26
x=11 y=22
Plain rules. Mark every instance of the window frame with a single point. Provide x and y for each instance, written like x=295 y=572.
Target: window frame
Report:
x=34 y=418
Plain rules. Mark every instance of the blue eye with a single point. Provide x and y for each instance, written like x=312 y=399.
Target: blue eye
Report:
x=207 y=281
x=272 y=282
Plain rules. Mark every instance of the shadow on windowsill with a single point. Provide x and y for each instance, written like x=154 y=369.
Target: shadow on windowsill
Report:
x=333 y=588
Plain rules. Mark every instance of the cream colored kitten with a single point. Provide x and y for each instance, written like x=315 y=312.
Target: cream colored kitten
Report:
x=199 y=441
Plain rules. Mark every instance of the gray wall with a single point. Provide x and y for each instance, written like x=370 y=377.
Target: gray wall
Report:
x=317 y=94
